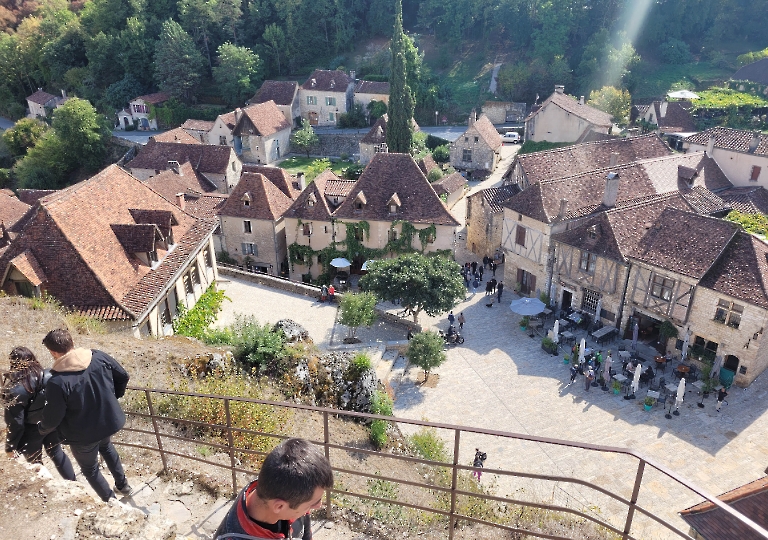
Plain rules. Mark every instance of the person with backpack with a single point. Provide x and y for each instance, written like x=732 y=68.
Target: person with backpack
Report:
x=479 y=463
x=721 y=394
x=23 y=395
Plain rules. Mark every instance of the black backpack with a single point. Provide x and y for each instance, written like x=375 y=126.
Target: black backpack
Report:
x=37 y=403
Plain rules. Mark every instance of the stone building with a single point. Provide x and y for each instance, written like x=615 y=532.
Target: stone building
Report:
x=485 y=218
x=478 y=148
x=367 y=91
x=743 y=155
x=285 y=94
x=563 y=118
x=261 y=133
x=668 y=117
x=450 y=188
x=198 y=129
x=41 y=102
x=139 y=111
x=502 y=112
x=325 y=95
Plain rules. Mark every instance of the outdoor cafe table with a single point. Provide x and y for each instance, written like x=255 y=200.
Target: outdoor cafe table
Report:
x=604 y=333
x=661 y=362
x=568 y=336
x=625 y=355
x=575 y=317
x=564 y=324
x=682 y=370
x=619 y=377
x=672 y=387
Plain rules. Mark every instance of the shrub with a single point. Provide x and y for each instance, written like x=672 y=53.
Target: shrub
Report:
x=380 y=404
x=83 y=324
x=194 y=322
x=428 y=445
x=441 y=154
x=433 y=142
x=256 y=345
x=675 y=51
x=359 y=365
x=434 y=175
x=224 y=258
x=353 y=171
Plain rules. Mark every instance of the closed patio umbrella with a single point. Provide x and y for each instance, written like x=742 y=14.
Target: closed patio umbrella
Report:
x=635 y=331
x=527 y=306
x=715 y=372
x=685 y=345
x=556 y=331
x=636 y=380
x=340 y=262
x=582 y=348
x=680 y=395
x=607 y=371
x=598 y=309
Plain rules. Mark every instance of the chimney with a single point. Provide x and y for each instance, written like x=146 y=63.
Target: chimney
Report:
x=352 y=74
x=63 y=94
x=755 y=142
x=302 y=181
x=614 y=159
x=238 y=115
x=563 y=208
x=559 y=89
x=711 y=145
x=663 y=109
x=180 y=202
x=611 y=192
x=472 y=118
x=175 y=167
x=581 y=100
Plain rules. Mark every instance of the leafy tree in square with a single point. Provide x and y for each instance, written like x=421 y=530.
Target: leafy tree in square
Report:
x=425 y=350
x=305 y=138
x=357 y=310
x=178 y=64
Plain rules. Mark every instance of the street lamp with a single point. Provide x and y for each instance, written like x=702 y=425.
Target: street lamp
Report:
x=435 y=117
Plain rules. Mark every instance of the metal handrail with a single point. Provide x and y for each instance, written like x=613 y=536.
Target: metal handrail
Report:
x=230 y=449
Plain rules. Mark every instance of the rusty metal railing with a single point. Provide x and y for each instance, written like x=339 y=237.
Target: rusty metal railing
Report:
x=631 y=505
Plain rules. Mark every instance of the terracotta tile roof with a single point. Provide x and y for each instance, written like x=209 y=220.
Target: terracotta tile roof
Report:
x=157 y=97
x=31 y=196
x=136 y=238
x=738 y=140
x=579 y=158
x=755 y=72
x=487 y=132
x=677 y=119
x=684 y=242
x=571 y=105
x=206 y=206
x=204 y=158
x=105 y=313
x=389 y=174
x=315 y=194
x=338 y=188
x=11 y=210
x=584 y=192
x=427 y=163
x=742 y=271
x=197 y=125
x=27 y=264
x=449 y=184
x=280 y=177
x=265 y=200
x=177 y=135
x=495 y=196
x=228 y=119
x=41 y=97
x=78 y=222
x=713 y=523
x=748 y=200
x=372 y=87
x=590 y=135
x=704 y=201
x=378 y=132
x=281 y=92
x=168 y=183
x=262 y=119
x=327 y=81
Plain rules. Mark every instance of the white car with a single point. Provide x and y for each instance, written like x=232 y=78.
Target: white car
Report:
x=511 y=137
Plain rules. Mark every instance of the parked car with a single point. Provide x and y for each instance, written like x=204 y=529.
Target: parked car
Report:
x=511 y=137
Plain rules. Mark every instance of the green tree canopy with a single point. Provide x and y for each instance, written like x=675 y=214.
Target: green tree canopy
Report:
x=305 y=138
x=83 y=132
x=44 y=166
x=357 y=310
x=399 y=130
x=237 y=73
x=178 y=64
x=425 y=350
x=24 y=135
x=431 y=284
x=615 y=102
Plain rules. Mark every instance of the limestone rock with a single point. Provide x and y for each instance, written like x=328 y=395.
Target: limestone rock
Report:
x=120 y=522
x=292 y=330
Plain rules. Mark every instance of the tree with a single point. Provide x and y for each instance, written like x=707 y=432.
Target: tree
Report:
x=24 y=135
x=425 y=350
x=237 y=73
x=357 y=310
x=305 y=138
x=274 y=38
x=399 y=130
x=615 y=102
x=434 y=175
x=431 y=284
x=44 y=166
x=315 y=168
x=376 y=109
x=83 y=133
x=178 y=64
x=441 y=154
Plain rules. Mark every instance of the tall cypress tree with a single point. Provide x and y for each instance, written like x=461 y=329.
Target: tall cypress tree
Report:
x=399 y=134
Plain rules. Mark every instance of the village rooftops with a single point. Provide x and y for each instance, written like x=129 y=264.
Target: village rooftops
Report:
x=756 y=72
x=496 y=196
x=378 y=132
x=157 y=97
x=747 y=200
x=323 y=80
x=281 y=92
x=677 y=118
x=738 y=140
x=280 y=177
x=339 y=188
x=181 y=179
x=262 y=120
x=449 y=184
x=11 y=209
x=177 y=135
x=255 y=197
x=311 y=204
x=372 y=87
x=487 y=132
x=197 y=125
x=742 y=272
x=571 y=105
x=41 y=97
x=205 y=158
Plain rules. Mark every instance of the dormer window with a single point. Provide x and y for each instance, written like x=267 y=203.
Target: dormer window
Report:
x=394 y=204
x=311 y=200
x=246 y=198
x=592 y=232
x=360 y=201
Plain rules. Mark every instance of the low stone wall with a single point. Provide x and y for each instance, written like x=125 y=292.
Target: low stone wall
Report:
x=272 y=281
x=336 y=144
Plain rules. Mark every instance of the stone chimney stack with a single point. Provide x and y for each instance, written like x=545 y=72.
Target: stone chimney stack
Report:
x=581 y=100
x=559 y=89
x=302 y=181
x=663 y=109
x=352 y=74
x=563 y=208
x=180 y=202
x=614 y=159
x=710 y=145
x=175 y=167
x=755 y=142
x=472 y=118
x=611 y=192
x=238 y=115
x=63 y=94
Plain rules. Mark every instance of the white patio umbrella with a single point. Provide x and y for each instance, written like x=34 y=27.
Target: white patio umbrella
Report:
x=607 y=370
x=598 y=309
x=582 y=347
x=636 y=380
x=365 y=264
x=527 y=306
x=556 y=331
x=340 y=262
x=685 y=344
x=635 y=331
x=715 y=372
x=680 y=393
x=552 y=293
x=683 y=94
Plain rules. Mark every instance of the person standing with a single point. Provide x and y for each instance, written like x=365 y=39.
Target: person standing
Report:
x=493 y=268
x=481 y=270
x=479 y=463
x=23 y=396
x=474 y=266
x=720 y=398
x=461 y=320
x=475 y=285
x=499 y=290
x=493 y=283
x=451 y=318
x=588 y=378
x=331 y=293
x=488 y=289
x=485 y=261
x=81 y=405
x=574 y=372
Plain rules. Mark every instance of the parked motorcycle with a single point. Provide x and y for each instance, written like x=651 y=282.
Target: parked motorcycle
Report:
x=452 y=337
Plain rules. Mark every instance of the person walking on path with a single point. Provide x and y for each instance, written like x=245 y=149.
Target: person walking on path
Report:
x=720 y=398
x=479 y=463
x=493 y=285
x=292 y=482
x=474 y=266
x=23 y=396
x=451 y=318
x=488 y=288
x=461 y=320
x=493 y=268
x=574 y=372
x=499 y=290
x=81 y=405
x=475 y=285
x=588 y=378
x=485 y=261
x=466 y=278
x=481 y=273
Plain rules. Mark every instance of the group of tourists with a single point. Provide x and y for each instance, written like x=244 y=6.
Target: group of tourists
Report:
x=472 y=272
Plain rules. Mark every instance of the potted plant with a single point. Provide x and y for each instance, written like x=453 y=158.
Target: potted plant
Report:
x=709 y=384
x=616 y=385
x=548 y=345
x=667 y=330
x=648 y=403
x=524 y=322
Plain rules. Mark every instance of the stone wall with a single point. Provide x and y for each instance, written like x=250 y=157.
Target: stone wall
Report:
x=336 y=144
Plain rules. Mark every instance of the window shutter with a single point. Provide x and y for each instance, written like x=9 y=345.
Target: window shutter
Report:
x=244 y=248
x=520 y=275
x=755 y=173
x=531 y=283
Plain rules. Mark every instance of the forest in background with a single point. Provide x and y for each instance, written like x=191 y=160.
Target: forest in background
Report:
x=217 y=52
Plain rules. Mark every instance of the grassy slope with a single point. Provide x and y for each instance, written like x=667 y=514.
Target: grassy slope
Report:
x=296 y=164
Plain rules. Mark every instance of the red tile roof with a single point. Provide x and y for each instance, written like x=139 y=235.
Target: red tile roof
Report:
x=372 y=87
x=738 y=140
x=449 y=184
x=168 y=183
x=281 y=92
x=205 y=158
x=748 y=200
x=496 y=196
x=265 y=200
x=41 y=97
x=755 y=72
x=487 y=132
x=378 y=132
x=177 y=135
x=31 y=196
x=197 y=125
x=27 y=264
x=427 y=163
x=389 y=174
x=742 y=271
x=280 y=177
x=11 y=210
x=327 y=81
x=571 y=105
x=339 y=188
x=157 y=97
x=261 y=119
x=677 y=119
x=314 y=194
x=206 y=206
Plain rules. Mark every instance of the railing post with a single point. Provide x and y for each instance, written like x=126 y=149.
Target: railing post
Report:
x=157 y=431
x=326 y=442
x=633 y=500
x=231 y=444
x=454 y=483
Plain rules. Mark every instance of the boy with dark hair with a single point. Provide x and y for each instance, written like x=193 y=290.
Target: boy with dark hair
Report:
x=292 y=481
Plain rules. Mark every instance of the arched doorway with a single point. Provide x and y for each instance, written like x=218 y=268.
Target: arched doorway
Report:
x=728 y=371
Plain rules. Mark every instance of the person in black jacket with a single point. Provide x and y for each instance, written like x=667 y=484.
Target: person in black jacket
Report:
x=23 y=396
x=81 y=404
